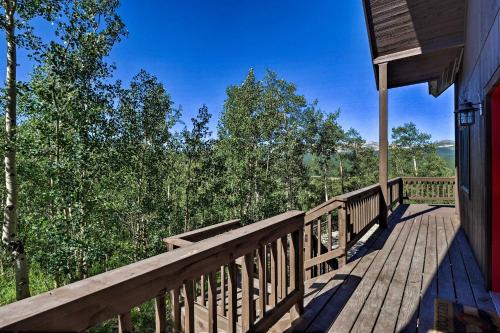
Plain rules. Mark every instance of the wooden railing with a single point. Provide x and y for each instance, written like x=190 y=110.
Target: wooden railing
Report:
x=197 y=235
x=429 y=190
x=226 y=276
x=200 y=285
x=273 y=246
x=333 y=227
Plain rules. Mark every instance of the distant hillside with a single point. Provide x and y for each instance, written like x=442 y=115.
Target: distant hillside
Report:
x=445 y=149
x=448 y=153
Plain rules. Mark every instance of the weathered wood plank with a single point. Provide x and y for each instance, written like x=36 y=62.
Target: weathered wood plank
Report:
x=358 y=286
x=380 y=284
x=407 y=319
x=461 y=280
x=446 y=289
x=481 y=295
x=388 y=317
x=429 y=280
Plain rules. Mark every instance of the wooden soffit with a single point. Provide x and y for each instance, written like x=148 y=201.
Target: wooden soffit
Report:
x=421 y=40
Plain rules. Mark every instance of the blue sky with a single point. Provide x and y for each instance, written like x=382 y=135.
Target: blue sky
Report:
x=197 y=48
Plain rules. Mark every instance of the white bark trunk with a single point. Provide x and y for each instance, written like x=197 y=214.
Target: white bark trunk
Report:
x=9 y=232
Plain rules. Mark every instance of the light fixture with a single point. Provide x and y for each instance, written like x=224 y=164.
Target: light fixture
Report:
x=466 y=116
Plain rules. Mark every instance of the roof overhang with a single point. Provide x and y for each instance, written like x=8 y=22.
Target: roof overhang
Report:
x=420 y=40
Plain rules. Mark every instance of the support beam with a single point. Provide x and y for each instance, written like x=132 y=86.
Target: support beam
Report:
x=383 y=141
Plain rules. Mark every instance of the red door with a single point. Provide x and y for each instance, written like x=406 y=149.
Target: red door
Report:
x=495 y=190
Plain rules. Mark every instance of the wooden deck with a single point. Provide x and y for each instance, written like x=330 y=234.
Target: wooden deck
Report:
x=391 y=283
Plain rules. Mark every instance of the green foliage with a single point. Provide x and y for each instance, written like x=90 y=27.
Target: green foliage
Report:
x=413 y=153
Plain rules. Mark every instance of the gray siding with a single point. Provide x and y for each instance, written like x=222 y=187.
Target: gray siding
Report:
x=479 y=73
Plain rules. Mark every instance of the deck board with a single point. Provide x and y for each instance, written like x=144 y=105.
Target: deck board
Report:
x=369 y=314
x=392 y=283
x=407 y=318
x=388 y=317
x=429 y=279
x=349 y=315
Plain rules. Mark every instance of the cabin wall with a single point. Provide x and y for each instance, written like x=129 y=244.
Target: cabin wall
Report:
x=479 y=74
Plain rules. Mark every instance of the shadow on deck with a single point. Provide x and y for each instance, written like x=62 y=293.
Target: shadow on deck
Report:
x=392 y=282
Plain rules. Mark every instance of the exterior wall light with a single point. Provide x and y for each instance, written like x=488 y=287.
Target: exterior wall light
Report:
x=466 y=116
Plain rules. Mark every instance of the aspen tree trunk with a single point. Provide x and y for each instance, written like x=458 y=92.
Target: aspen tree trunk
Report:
x=9 y=234
x=341 y=176
x=325 y=185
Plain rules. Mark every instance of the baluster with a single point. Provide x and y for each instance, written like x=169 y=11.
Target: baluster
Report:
x=189 y=306
x=232 y=317
x=222 y=307
x=212 y=303
x=176 y=309
x=356 y=213
x=274 y=276
x=390 y=198
x=125 y=323
x=202 y=290
x=330 y=240
x=297 y=271
x=160 y=314
x=262 y=280
x=363 y=211
x=361 y=215
x=308 y=246
x=279 y=268
x=343 y=229
x=283 y=250
x=248 y=306
x=318 y=245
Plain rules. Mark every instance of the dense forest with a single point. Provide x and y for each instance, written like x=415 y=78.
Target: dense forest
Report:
x=104 y=173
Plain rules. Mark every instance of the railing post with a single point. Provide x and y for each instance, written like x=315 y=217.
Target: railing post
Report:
x=174 y=301
x=383 y=142
x=343 y=230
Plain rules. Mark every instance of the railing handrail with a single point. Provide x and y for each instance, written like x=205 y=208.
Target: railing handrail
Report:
x=86 y=303
x=430 y=179
x=346 y=197
x=205 y=232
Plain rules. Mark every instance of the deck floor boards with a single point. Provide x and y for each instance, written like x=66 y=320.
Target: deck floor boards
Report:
x=392 y=283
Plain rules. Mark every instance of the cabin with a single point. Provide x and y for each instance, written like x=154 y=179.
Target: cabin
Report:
x=406 y=254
